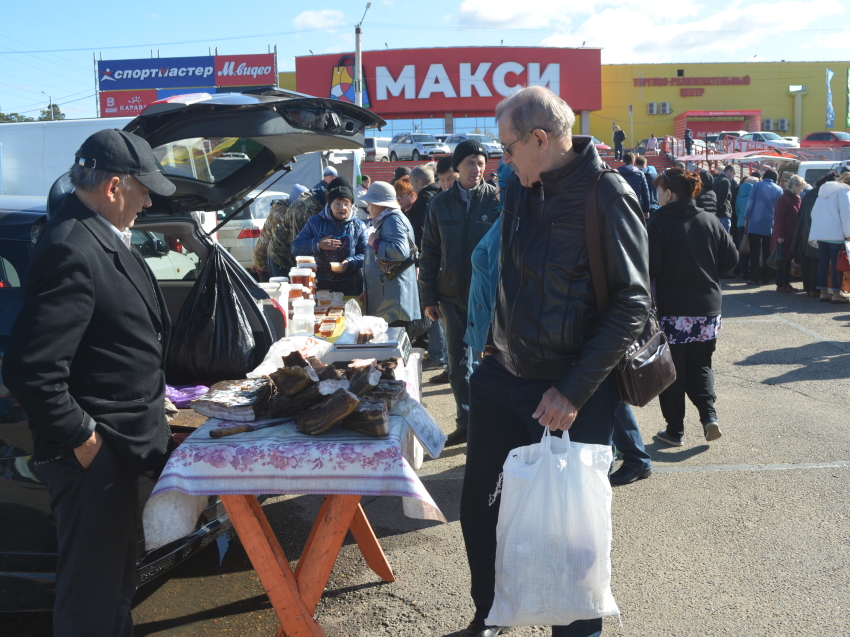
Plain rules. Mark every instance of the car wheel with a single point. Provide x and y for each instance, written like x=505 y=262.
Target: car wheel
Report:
x=393 y=156
x=415 y=156
x=385 y=158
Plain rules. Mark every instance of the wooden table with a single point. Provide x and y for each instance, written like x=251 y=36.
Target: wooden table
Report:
x=294 y=596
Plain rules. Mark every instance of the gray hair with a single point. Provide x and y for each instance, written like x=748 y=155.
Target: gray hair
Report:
x=796 y=180
x=424 y=173
x=90 y=179
x=537 y=107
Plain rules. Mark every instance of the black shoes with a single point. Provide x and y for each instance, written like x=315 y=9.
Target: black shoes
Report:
x=627 y=475
x=712 y=431
x=670 y=440
x=439 y=379
x=457 y=437
x=478 y=629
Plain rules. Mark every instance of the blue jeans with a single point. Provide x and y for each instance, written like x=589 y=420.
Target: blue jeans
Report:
x=627 y=439
x=437 y=343
x=828 y=258
x=500 y=420
x=726 y=222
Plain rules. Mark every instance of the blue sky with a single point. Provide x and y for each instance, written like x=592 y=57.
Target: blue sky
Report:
x=48 y=46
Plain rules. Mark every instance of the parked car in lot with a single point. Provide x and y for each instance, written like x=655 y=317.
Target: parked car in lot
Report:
x=376 y=149
x=826 y=139
x=599 y=145
x=271 y=127
x=415 y=145
x=240 y=234
x=492 y=146
x=766 y=138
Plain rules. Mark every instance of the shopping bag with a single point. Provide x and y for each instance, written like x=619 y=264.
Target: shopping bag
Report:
x=553 y=554
x=212 y=339
x=842 y=264
x=342 y=82
x=778 y=255
x=745 y=245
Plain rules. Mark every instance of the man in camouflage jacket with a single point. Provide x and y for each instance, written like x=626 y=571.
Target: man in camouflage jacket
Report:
x=295 y=218
x=261 y=250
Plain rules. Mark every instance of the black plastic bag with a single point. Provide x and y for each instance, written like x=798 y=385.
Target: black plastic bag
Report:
x=212 y=339
x=776 y=257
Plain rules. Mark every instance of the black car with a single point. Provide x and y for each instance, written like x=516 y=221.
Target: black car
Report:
x=195 y=141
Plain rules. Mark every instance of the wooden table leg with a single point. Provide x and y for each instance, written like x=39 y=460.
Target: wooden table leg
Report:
x=272 y=567
x=369 y=546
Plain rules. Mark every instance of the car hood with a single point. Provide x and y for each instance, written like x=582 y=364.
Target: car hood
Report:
x=218 y=148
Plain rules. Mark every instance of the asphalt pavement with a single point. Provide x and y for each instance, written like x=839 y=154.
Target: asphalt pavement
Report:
x=747 y=535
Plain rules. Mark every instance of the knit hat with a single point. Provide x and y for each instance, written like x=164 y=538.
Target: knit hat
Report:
x=466 y=148
x=340 y=187
x=329 y=170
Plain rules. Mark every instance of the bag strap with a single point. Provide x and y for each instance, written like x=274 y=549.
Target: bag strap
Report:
x=593 y=238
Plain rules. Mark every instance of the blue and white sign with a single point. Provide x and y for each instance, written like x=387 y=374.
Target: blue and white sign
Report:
x=156 y=73
x=830 y=111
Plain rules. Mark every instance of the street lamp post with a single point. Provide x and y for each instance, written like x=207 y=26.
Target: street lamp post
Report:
x=50 y=106
x=358 y=60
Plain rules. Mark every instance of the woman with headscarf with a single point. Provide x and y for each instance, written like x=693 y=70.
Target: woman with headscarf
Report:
x=389 y=272
x=689 y=252
x=335 y=236
x=784 y=225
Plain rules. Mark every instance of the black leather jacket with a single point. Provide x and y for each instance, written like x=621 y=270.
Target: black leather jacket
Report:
x=546 y=323
x=452 y=231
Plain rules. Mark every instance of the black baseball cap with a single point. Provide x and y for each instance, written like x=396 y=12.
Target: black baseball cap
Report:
x=117 y=151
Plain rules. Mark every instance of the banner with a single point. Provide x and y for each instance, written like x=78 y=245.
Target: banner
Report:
x=848 y=98
x=155 y=73
x=245 y=70
x=126 y=103
x=830 y=112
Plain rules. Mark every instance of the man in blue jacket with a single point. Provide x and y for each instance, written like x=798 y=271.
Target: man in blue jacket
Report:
x=636 y=179
x=758 y=224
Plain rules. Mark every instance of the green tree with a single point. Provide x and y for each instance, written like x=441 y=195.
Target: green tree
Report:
x=15 y=117
x=45 y=114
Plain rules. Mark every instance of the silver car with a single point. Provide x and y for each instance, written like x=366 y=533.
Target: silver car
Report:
x=240 y=234
x=415 y=145
x=493 y=147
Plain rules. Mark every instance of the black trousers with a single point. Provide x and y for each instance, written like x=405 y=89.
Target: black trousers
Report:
x=95 y=512
x=783 y=273
x=759 y=252
x=500 y=420
x=694 y=378
x=454 y=323
x=809 y=267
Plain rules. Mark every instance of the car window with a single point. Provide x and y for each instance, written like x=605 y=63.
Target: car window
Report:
x=14 y=258
x=813 y=174
x=209 y=160
x=844 y=137
x=481 y=139
x=382 y=143
x=166 y=256
x=257 y=210
x=368 y=143
x=424 y=138
x=771 y=136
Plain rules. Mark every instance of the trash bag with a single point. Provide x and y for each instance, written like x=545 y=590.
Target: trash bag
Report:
x=553 y=555
x=212 y=339
x=778 y=255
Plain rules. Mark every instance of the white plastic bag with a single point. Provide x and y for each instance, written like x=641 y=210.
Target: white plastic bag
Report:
x=553 y=555
x=355 y=321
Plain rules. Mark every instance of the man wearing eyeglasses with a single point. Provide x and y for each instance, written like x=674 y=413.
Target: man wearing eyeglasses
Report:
x=458 y=218
x=549 y=352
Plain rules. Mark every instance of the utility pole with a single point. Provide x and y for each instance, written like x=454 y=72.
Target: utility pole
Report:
x=358 y=60
x=51 y=105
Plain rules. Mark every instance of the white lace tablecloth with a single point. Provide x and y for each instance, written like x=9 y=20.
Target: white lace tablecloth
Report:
x=281 y=461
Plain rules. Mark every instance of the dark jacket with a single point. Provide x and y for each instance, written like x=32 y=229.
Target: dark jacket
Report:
x=800 y=242
x=88 y=345
x=320 y=191
x=323 y=225
x=546 y=323
x=637 y=180
x=451 y=233
x=706 y=199
x=619 y=136
x=419 y=212
x=689 y=251
x=723 y=191
x=785 y=220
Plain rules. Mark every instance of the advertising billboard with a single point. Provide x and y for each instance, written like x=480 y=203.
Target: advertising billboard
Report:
x=245 y=70
x=126 y=103
x=465 y=81
x=154 y=73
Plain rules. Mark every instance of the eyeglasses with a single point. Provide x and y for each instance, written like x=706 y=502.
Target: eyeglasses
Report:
x=343 y=204
x=507 y=149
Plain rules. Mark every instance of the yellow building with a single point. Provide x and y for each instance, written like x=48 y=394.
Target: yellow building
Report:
x=715 y=97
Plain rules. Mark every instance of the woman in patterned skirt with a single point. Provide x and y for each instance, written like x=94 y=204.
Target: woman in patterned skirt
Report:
x=689 y=252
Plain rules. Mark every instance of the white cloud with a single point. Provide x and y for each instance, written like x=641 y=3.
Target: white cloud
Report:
x=319 y=19
x=631 y=34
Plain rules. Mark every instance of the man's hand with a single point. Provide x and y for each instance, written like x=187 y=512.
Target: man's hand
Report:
x=433 y=312
x=363 y=296
x=555 y=411
x=780 y=241
x=88 y=450
x=329 y=243
x=344 y=265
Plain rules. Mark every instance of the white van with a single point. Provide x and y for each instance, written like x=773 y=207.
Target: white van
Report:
x=377 y=148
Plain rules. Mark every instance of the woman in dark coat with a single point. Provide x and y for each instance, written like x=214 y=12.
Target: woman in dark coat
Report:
x=800 y=245
x=784 y=226
x=689 y=252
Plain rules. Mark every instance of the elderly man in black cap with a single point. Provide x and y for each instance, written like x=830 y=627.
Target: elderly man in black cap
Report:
x=458 y=218
x=85 y=360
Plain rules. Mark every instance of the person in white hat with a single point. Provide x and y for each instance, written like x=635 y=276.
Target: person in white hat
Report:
x=389 y=274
